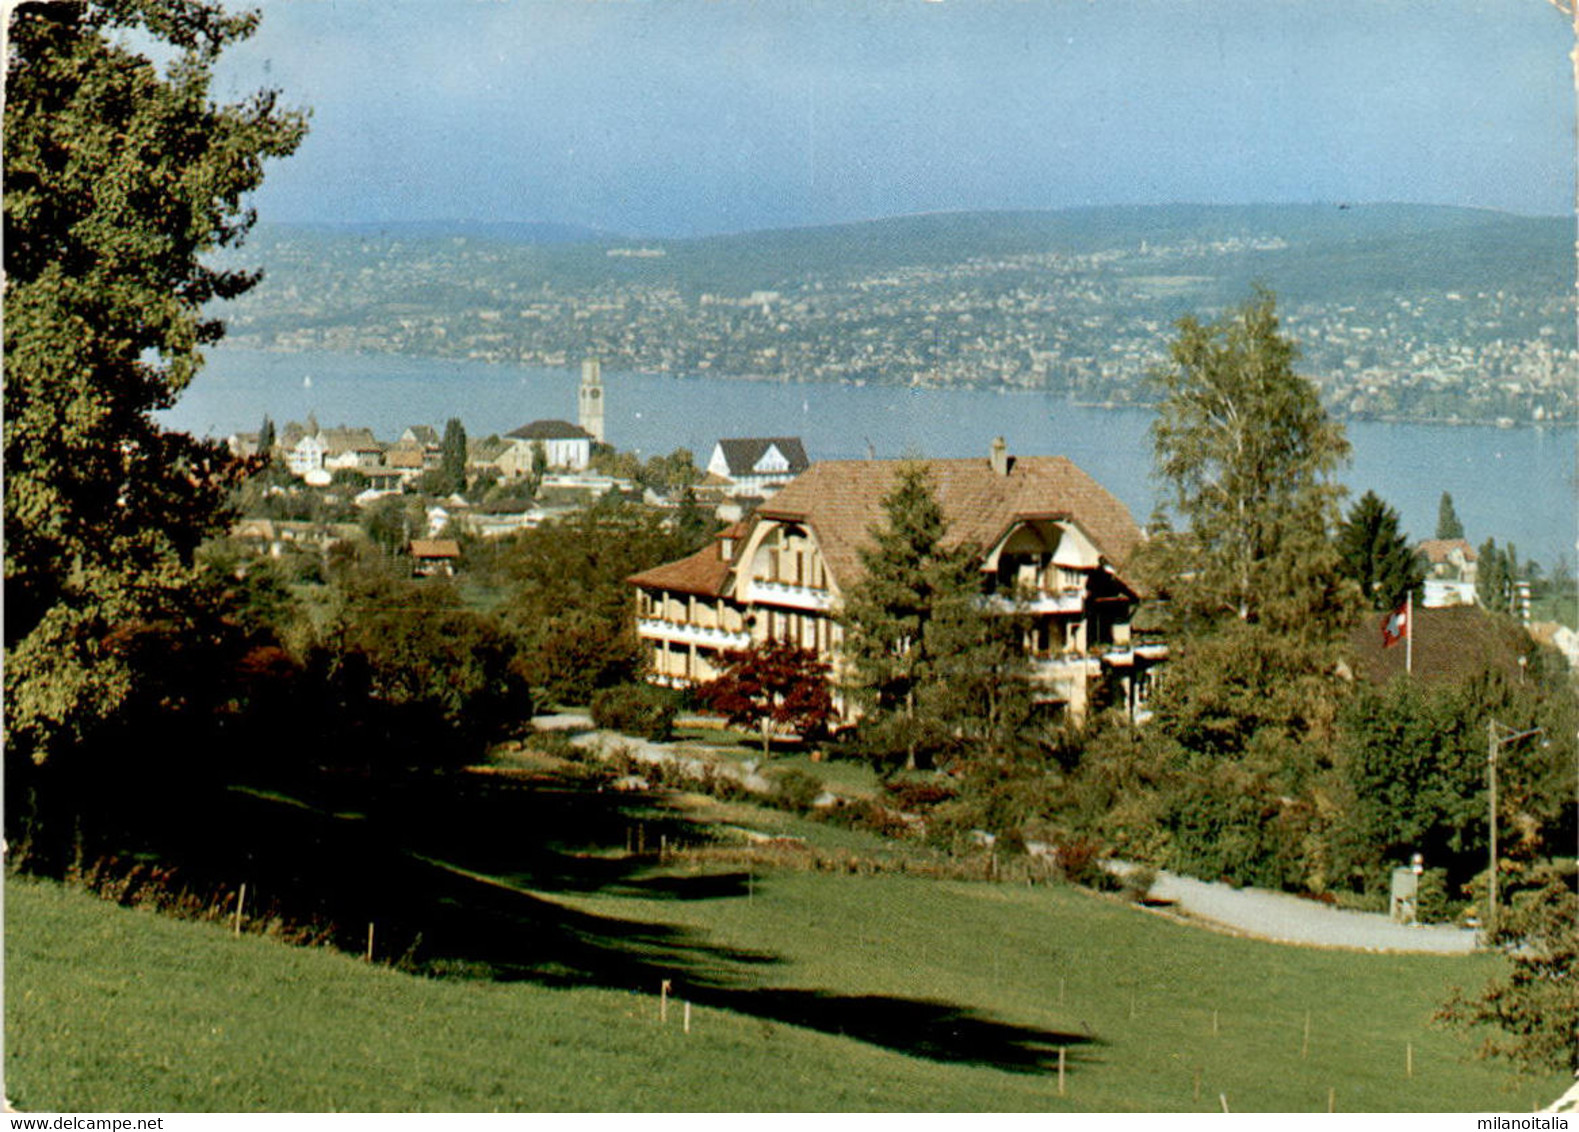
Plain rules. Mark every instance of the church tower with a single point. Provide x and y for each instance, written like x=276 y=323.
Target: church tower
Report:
x=591 y=398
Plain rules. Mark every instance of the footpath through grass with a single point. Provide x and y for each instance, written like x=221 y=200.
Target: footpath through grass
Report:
x=826 y=993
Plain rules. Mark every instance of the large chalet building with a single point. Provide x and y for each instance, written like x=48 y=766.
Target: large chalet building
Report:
x=1051 y=538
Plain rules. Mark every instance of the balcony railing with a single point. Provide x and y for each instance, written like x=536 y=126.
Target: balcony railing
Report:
x=1045 y=601
x=1064 y=667
x=1123 y=657
x=658 y=629
x=791 y=596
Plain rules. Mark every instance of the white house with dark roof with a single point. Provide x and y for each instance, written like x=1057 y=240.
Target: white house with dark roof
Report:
x=1052 y=544
x=566 y=446
x=758 y=465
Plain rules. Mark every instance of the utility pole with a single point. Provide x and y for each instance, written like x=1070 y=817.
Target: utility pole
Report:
x=1494 y=744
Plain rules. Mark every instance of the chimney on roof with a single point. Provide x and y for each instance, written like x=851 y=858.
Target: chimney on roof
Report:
x=1000 y=456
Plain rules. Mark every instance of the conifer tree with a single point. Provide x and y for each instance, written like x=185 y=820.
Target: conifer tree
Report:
x=452 y=464
x=1377 y=555
x=1447 y=524
x=119 y=179
x=1494 y=577
x=908 y=620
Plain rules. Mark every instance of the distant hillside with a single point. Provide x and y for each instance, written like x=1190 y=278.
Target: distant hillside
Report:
x=501 y=231
x=1386 y=245
x=1402 y=312
x=1364 y=248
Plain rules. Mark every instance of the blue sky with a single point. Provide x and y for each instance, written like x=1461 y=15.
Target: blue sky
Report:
x=685 y=117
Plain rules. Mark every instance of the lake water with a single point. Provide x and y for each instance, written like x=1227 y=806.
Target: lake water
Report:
x=1514 y=485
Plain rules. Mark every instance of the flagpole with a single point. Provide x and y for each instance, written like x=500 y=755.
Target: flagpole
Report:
x=1409 y=634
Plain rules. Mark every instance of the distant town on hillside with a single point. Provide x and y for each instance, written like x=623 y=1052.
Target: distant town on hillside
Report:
x=1402 y=313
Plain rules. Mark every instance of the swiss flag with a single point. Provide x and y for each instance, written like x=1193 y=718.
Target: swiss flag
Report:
x=1395 y=626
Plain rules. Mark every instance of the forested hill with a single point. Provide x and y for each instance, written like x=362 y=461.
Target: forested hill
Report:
x=1403 y=311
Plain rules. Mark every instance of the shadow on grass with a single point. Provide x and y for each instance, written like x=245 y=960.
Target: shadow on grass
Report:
x=436 y=865
x=937 y=1031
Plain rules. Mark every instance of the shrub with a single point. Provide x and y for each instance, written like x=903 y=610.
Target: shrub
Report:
x=1080 y=859
x=635 y=709
x=867 y=816
x=912 y=796
x=1138 y=882
x=1432 y=905
x=796 y=790
x=556 y=744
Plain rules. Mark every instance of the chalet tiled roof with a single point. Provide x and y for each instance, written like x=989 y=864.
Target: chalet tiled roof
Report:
x=343 y=439
x=486 y=448
x=703 y=574
x=435 y=548
x=422 y=434
x=741 y=454
x=404 y=456
x=842 y=500
x=1451 y=644
x=550 y=430
x=1437 y=550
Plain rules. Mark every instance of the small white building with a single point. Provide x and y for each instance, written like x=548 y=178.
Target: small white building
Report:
x=758 y=465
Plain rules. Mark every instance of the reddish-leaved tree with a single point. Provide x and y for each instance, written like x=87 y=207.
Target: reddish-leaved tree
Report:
x=774 y=686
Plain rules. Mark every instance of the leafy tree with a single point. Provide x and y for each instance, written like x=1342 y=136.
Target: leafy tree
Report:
x=676 y=470
x=119 y=179
x=570 y=606
x=911 y=580
x=774 y=686
x=1246 y=453
x=452 y=464
x=407 y=667
x=394 y=521
x=1413 y=759
x=1532 y=1009
x=1375 y=554
x=1447 y=524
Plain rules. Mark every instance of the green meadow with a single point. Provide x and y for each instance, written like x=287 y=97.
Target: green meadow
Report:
x=805 y=991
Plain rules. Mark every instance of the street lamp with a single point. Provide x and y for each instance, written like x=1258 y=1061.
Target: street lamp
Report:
x=1494 y=743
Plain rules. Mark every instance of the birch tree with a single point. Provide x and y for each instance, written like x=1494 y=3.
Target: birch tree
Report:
x=1246 y=453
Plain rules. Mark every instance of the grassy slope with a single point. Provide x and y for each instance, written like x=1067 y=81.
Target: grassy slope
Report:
x=108 y=1008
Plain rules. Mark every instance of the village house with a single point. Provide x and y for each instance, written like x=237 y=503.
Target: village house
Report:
x=313 y=453
x=434 y=557
x=757 y=465
x=1452 y=565
x=1054 y=545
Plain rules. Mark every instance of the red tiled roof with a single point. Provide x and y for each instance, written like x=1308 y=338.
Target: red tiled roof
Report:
x=1437 y=549
x=703 y=574
x=435 y=548
x=842 y=500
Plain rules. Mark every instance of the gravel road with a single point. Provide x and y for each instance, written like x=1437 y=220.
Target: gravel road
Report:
x=1254 y=912
x=1291 y=919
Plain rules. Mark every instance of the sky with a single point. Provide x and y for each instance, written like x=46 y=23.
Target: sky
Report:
x=691 y=117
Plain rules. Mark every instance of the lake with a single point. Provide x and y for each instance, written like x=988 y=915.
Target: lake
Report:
x=1515 y=485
